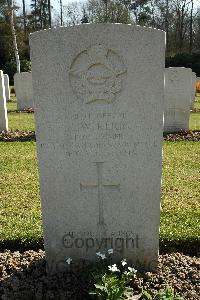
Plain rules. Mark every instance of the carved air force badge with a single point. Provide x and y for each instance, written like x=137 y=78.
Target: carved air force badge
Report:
x=97 y=75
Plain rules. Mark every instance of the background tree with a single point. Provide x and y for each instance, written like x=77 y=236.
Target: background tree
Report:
x=49 y=11
x=39 y=14
x=24 y=18
x=61 y=13
x=6 y=52
x=11 y=9
x=179 y=18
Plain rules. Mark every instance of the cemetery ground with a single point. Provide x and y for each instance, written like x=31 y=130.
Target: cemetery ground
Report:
x=22 y=266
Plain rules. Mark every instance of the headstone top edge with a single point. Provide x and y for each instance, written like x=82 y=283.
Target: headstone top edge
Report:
x=178 y=69
x=21 y=73
x=93 y=25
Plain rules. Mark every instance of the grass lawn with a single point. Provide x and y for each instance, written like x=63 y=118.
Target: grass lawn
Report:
x=197 y=103
x=20 y=217
x=180 y=217
x=12 y=105
x=19 y=120
x=20 y=214
x=194 y=121
x=25 y=121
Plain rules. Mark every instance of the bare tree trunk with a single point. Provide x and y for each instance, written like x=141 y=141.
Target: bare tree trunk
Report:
x=49 y=10
x=41 y=7
x=35 y=18
x=181 y=28
x=167 y=25
x=11 y=14
x=24 y=18
x=191 y=27
x=61 y=13
x=106 y=11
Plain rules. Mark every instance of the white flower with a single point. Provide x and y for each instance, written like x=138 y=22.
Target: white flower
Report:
x=132 y=270
x=124 y=262
x=101 y=255
x=110 y=251
x=113 y=268
x=69 y=260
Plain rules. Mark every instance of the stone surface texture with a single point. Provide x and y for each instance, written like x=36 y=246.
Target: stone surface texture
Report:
x=7 y=87
x=177 y=99
x=23 y=90
x=3 y=108
x=99 y=140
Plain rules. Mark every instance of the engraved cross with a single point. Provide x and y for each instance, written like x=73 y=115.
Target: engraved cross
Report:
x=101 y=188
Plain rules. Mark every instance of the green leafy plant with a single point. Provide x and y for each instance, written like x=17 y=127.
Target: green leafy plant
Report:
x=146 y=296
x=112 y=282
x=168 y=294
x=111 y=287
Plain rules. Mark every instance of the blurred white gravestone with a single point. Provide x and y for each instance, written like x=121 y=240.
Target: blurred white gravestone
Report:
x=7 y=87
x=177 y=99
x=3 y=108
x=193 y=89
x=99 y=140
x=23 y=90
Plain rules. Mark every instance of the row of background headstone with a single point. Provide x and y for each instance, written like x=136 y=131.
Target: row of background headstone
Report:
x=7 y=87
x=3 y=109
x=23 y=90
x=180 y=88
x=179 y=97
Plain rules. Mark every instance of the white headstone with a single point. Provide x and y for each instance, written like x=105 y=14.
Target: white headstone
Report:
x=177 y=99
x=23 y=90
x=3 y=109
x=99 y=140
x=193 y=89
x=7 y=87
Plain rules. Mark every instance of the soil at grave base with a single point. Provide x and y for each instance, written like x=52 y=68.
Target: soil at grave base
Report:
x=17 y=136
x=23 y=277
x=195 y=110
x=188 y=135
x=26 y=110
x=23 y=136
